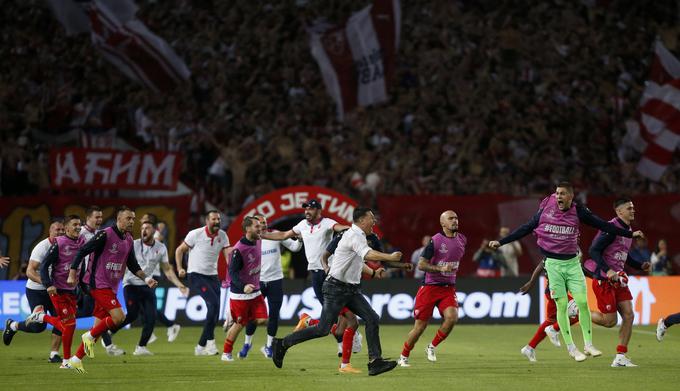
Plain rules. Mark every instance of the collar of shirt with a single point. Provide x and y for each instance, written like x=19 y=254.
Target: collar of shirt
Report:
x=211 y=236
x=247 y=242
x=356 y=228
x=89 y=229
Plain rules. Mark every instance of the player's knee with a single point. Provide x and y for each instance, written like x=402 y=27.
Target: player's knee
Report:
x=261 y=321
x=627 y=316
x=118 y=318
x=609 y=322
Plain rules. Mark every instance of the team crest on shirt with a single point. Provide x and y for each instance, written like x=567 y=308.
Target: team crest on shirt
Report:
x=113 y=302
x=550 y=213
x=67 y=251
x=443 y=249
x=251 y=258
x=65 y=311
x=114 y=248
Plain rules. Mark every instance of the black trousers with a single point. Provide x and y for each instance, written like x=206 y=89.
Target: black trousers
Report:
x=318 y=277
x=140 y=299
x=36 y=297
x=209 y=289
x=336 y=295
x=273 y=292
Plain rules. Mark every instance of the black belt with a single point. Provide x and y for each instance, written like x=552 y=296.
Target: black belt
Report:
x=334 y=280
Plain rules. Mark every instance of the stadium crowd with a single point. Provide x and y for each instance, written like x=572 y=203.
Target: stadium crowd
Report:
x=489 y=97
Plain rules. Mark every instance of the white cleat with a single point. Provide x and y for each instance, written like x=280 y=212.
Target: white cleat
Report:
x=142 y=351
x=204 y=351
x=211 y=348
x=403 y=362
x=173 y=332
x=65 y=365
x=356 y=342
x=113 y=350
x=227 y=357
x=622 y=361
x=430 y=353
x=660 y=330
x=577 y=355
x=591 y=350
x=35 y=317
x=153 y=338
x=529 y=353
x=553 y=335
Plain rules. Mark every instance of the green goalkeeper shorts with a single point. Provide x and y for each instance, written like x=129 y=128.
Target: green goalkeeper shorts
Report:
x=565 y=276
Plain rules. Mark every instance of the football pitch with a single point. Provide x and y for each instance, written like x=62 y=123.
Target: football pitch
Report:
x=472 y=358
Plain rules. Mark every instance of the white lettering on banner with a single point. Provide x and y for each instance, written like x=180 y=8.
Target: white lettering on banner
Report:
x=10 y=303
x=342 y=209
x=400 y=306
x=25 y=307
x=265 y=208
x=119 y=168
x=196 y=309
x=294 y=200
x=92 y=168
x=512 y=304
x=175 y=301
x=310 y=304
x=150 y=169
x=289 y=305
x=476 y=305
x=639 y=288
x=66 y=168
x=379 y=302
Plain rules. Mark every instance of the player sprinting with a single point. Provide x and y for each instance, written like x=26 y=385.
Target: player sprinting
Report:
x=271 y=286
x=556 y=226
x=664 y=323
x=36 y=294
x=439 y=260
x=246 y=302
x=610 y=283
x=113 y=252
x=54 y=271
x=549 y=327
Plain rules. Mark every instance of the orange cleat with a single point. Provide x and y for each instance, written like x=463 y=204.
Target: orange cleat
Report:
x=303 y=323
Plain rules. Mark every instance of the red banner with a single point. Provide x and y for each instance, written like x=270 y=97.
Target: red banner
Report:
x=24 y=221
x=82 y=168
x=406 y=219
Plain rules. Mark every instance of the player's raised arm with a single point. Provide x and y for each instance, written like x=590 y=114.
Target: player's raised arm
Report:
x=278 y=235
x=519 y=233
x=532 y=281
x=170 y=274
x=588 y=217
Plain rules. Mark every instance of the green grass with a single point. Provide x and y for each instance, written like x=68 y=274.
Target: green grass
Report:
x=472 y=358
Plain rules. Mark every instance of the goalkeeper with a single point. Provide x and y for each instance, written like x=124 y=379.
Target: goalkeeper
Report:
x=556 y=226
x=610 y=283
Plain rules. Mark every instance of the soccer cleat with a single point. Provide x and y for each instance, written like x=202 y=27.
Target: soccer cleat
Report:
x=113 y=350
x=348 y=369
x=591 y=350
x=55 y=359
x=278 y=352
x=266 y=351
x=553 y=335
x=577 y=355
x=227 y=357
x=8 y=334
x=660 y=330
x=529 y=353
x=303 y=322
x=88 y=344
x=403 y=362
x=622 y=361
x=173 y=332
x=244 y=350
x=356 y=342
x=34 y=317
x=153 y=338
x=142 y=351
x=65 y=365
x=76 y=365
x=380 y=365
x=201 y=351
x=211 y=348
x=430 y=353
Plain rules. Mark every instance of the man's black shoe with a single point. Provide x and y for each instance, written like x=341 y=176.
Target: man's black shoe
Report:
x=56 y=358
x=278 y=352
x=8 y=334
x=380 y=365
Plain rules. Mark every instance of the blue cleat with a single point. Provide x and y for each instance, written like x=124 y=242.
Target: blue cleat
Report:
x=244 y=351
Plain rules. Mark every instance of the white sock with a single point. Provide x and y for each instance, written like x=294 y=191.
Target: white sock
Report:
x=249 y=339
x=571 y=347
x=430 y=346
x=75 y=359
x=88 y=335
x=620 y=355
x=339 y=346
x=53 y=353
x=14 y=326
x=270 y=338
x=343 y=365
x=529 y=347
x=588 y=345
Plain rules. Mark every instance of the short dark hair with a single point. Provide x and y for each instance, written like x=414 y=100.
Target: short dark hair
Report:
x=71 y=217
x=566 y=185
x=151 y=219
x=57 y=220
x=360 y=212
x=259 y=215
x=122 y=209
x=151 y=223
x=247 y=222
x=620 y=201
x=91 y=209
x=211 y=211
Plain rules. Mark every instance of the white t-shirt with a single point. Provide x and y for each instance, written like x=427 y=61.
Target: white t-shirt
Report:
x=271 y=258
x=205 y=250
x=149 y=259
x=348 y=259
x=315 y=238
x=87 y=233
x=38 y=254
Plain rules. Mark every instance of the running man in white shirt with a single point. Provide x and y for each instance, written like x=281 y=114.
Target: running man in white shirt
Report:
x=94 y=217
x=138 y=296
x=342 y=289
x=204 y=245
x=36 y=294
x=316 y=232
x=271 y=286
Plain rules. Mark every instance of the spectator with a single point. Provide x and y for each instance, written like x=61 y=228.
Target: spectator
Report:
x=415 y=257
x=511 y=252
x=661 y=261
x=639 y=253
x=490 y=261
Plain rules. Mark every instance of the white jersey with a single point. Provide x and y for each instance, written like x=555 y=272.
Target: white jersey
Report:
x=271 y=258
x=149 y=259
x=315 y=238
x=205 y=250
x=38 y=254
x=87 y=233
x=348 y=259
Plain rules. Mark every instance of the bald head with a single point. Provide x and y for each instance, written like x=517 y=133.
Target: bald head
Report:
x=449 y=222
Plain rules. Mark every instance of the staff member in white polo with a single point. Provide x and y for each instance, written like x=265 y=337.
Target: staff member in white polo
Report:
x=204 y=245
x=341 y=289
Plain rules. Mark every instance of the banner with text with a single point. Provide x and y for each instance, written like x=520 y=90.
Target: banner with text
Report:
x=84 y=168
